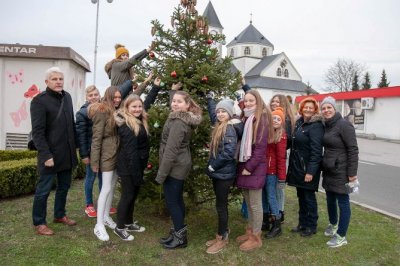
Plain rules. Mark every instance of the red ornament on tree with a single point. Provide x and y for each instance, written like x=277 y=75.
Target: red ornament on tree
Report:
x=149 y=166
x=209 y=41
x=173 y=74
x=204 y=79
x=151 y=55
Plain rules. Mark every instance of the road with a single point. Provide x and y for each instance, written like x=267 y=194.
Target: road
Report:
x=379 y=176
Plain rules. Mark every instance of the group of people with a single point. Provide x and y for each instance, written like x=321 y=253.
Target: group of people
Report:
x=248 y=149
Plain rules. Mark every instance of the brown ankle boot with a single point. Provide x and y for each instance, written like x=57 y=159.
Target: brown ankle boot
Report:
x=245 y=237
x=253 y=242
x=218 y=245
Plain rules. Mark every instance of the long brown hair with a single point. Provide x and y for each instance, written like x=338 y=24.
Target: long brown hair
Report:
x=262 y=112
x=131 y=121
x=287 y=108
x=193 y=106
x=108 y=102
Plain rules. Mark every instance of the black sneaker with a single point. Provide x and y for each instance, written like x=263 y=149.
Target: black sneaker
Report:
x=123 y=234
x=135 y=227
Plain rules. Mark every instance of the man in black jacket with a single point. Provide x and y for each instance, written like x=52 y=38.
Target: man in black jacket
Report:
x=53 y=130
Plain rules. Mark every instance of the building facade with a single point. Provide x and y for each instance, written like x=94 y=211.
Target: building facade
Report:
x=22 y=76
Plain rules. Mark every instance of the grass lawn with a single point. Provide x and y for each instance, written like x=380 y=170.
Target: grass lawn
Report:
x=374 y=239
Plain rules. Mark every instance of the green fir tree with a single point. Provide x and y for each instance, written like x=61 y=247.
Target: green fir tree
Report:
x=185 y=53
x=383 y=83
x=355 y=86
x=367 y=82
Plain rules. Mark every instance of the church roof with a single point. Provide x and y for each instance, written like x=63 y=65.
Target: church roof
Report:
x=250 y=35
x=265 y=61
x=211 y=16
x=276 y=84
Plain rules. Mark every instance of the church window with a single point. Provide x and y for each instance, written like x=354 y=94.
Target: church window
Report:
x=286 y=73
x=279 y=72
x=264 y=52
x=247 y=50
x=232 y=52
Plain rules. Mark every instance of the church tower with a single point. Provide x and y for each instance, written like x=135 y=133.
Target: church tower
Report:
x=214 y=25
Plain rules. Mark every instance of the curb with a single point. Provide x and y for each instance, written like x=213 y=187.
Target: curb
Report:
x=371 y=208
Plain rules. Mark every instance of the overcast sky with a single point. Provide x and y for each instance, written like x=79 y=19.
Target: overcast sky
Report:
x=313 y=33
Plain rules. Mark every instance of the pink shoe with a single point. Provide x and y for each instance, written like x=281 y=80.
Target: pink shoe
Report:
x=113 y=210
x=91 y=211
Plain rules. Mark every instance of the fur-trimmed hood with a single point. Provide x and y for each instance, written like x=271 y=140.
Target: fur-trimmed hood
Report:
x=187 y=117
x=119 y=118
x=98 y=108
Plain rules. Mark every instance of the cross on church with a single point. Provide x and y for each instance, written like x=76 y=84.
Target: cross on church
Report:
x=251 y=18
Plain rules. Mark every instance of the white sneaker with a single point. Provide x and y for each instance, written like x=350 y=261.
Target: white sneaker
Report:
x=331 y=230
x=108 y=221
x=135 y=227
x=337 y=241
x=123 y=234
x=101 y=233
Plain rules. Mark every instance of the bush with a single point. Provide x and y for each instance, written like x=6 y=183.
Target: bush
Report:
x=17 y=177
x=9 y=155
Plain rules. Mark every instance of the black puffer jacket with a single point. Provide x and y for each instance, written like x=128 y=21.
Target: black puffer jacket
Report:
x=84 y=131
x=133 y=153
x=306 y=153
x=340 y=154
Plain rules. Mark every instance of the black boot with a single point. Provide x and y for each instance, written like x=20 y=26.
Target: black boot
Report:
x=275 y=229
x=179 y=239
x=265 y=223
x=298 y=229
x=167 y=238
x=282 y=216
x=308 y=232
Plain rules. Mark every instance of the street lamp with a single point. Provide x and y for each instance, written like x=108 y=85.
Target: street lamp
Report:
x=95 y=41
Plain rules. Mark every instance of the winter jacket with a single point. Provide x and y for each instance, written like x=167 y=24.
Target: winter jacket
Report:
x=340 y=154
x=175 y=159
x=84 y=131
x=53 y=130
x=276 y=158
x=118 y=71
x=288 y=128
x=256 y=165
x=306 y=153
x=133 y=153
x=224 y=163
x=105 y=139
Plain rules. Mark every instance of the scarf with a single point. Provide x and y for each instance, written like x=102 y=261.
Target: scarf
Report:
x=247 y=137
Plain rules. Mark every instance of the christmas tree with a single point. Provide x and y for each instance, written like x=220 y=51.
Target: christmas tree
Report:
x=185 y=53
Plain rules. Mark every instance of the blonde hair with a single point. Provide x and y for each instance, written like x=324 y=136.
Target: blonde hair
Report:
x=262 y=112
x=287 y=108
x=217 y=135
x=131 y=121
x=90 y=88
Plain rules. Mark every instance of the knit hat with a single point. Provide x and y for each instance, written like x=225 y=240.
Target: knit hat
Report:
x=227 y=105
x=120 y=49
x=329 y=100
x=308 y=100
x=279 y=111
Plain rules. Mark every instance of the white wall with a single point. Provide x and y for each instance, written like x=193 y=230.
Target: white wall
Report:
x=17 y=76
x=383 y=120
x=245 y=64
x=271 y=70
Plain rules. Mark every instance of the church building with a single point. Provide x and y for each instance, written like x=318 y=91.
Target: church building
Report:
x=253 y=55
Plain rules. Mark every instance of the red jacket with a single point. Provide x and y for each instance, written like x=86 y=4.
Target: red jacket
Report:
x=276 y=158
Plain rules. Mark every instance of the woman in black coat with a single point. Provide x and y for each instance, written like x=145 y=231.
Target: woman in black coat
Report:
x=340 y=163
x=132 y=157
x=304 y=164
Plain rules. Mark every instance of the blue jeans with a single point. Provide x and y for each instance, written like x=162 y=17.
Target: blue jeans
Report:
x=272 y=180
x=343 y=200
x=308 y=208
x=280 y=197
x=89 y=181
x=173 y=192
x=43 y=189
x=264 y=197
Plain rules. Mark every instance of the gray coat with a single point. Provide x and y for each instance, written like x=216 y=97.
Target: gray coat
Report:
x=340 y=154
x=175 y=159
